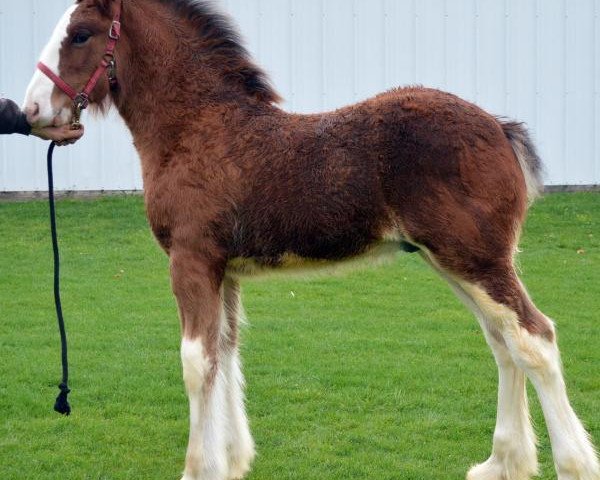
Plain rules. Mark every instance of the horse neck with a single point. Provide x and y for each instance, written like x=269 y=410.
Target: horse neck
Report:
x=164 y=89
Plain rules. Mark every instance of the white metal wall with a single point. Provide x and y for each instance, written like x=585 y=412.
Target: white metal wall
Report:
x=534 y=60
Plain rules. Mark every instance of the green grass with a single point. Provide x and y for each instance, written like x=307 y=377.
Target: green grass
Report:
x=379 y=374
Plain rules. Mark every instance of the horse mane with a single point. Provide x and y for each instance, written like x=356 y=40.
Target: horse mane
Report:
x=221 y=39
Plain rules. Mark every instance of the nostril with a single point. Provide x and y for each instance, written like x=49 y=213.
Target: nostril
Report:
x=33 y=113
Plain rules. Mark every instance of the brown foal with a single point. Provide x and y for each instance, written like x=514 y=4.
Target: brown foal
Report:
x=236 y=186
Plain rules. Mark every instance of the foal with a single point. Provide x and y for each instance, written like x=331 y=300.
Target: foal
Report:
x=235 y=186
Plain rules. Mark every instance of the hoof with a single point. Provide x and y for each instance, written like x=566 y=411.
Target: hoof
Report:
x=579 y=473
x=240 y=466
x=495 y=470
x=486 y=471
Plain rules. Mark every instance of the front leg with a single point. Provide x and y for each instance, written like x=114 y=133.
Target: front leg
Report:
x=197 y=287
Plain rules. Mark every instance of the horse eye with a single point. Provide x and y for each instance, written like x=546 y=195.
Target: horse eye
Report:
x=80 y=38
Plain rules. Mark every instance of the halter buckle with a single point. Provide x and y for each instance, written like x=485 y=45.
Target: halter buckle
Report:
x=111 y=70
x=115 y=30
x=80 y=103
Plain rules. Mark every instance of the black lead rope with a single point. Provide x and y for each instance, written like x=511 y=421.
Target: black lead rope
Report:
x=62 y=403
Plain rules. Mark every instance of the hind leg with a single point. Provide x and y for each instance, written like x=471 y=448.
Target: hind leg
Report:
x=514 y=453
x=240 y=445
x=530 y=338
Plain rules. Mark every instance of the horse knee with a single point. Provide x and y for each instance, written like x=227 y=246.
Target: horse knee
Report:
x=534 y=321
x=531 y=339
x=535 y=354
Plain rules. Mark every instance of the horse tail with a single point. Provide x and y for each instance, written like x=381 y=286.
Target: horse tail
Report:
x=526 y=153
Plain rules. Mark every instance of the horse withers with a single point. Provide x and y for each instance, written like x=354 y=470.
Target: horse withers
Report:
x=235 y=186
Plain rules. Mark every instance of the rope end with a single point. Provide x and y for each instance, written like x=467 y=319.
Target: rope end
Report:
x=62 y=403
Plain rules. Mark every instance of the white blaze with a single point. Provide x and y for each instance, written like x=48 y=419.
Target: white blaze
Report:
x=40 y=87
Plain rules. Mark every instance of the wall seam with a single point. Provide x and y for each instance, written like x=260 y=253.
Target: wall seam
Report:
x=3 y=147
x=323 y=57
x=476 y=51
x=507 y=59
x=596 y=158
x=565 y=91
x=416 y=43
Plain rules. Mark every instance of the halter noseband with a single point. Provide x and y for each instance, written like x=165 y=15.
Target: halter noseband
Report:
x=108 y=64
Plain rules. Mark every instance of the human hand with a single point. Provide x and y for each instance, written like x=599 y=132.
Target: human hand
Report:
x=61 y=135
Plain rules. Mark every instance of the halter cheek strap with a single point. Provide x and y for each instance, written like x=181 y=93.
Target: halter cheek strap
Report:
x=81 y=99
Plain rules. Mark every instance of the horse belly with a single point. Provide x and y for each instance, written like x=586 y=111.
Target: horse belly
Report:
x=382 y=252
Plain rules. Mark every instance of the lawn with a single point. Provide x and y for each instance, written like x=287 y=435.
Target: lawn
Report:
x=379 y=374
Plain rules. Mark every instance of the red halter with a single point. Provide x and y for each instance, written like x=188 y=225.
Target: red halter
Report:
x=81 y=100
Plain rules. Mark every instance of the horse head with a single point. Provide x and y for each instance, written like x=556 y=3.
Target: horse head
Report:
x=70 y=72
